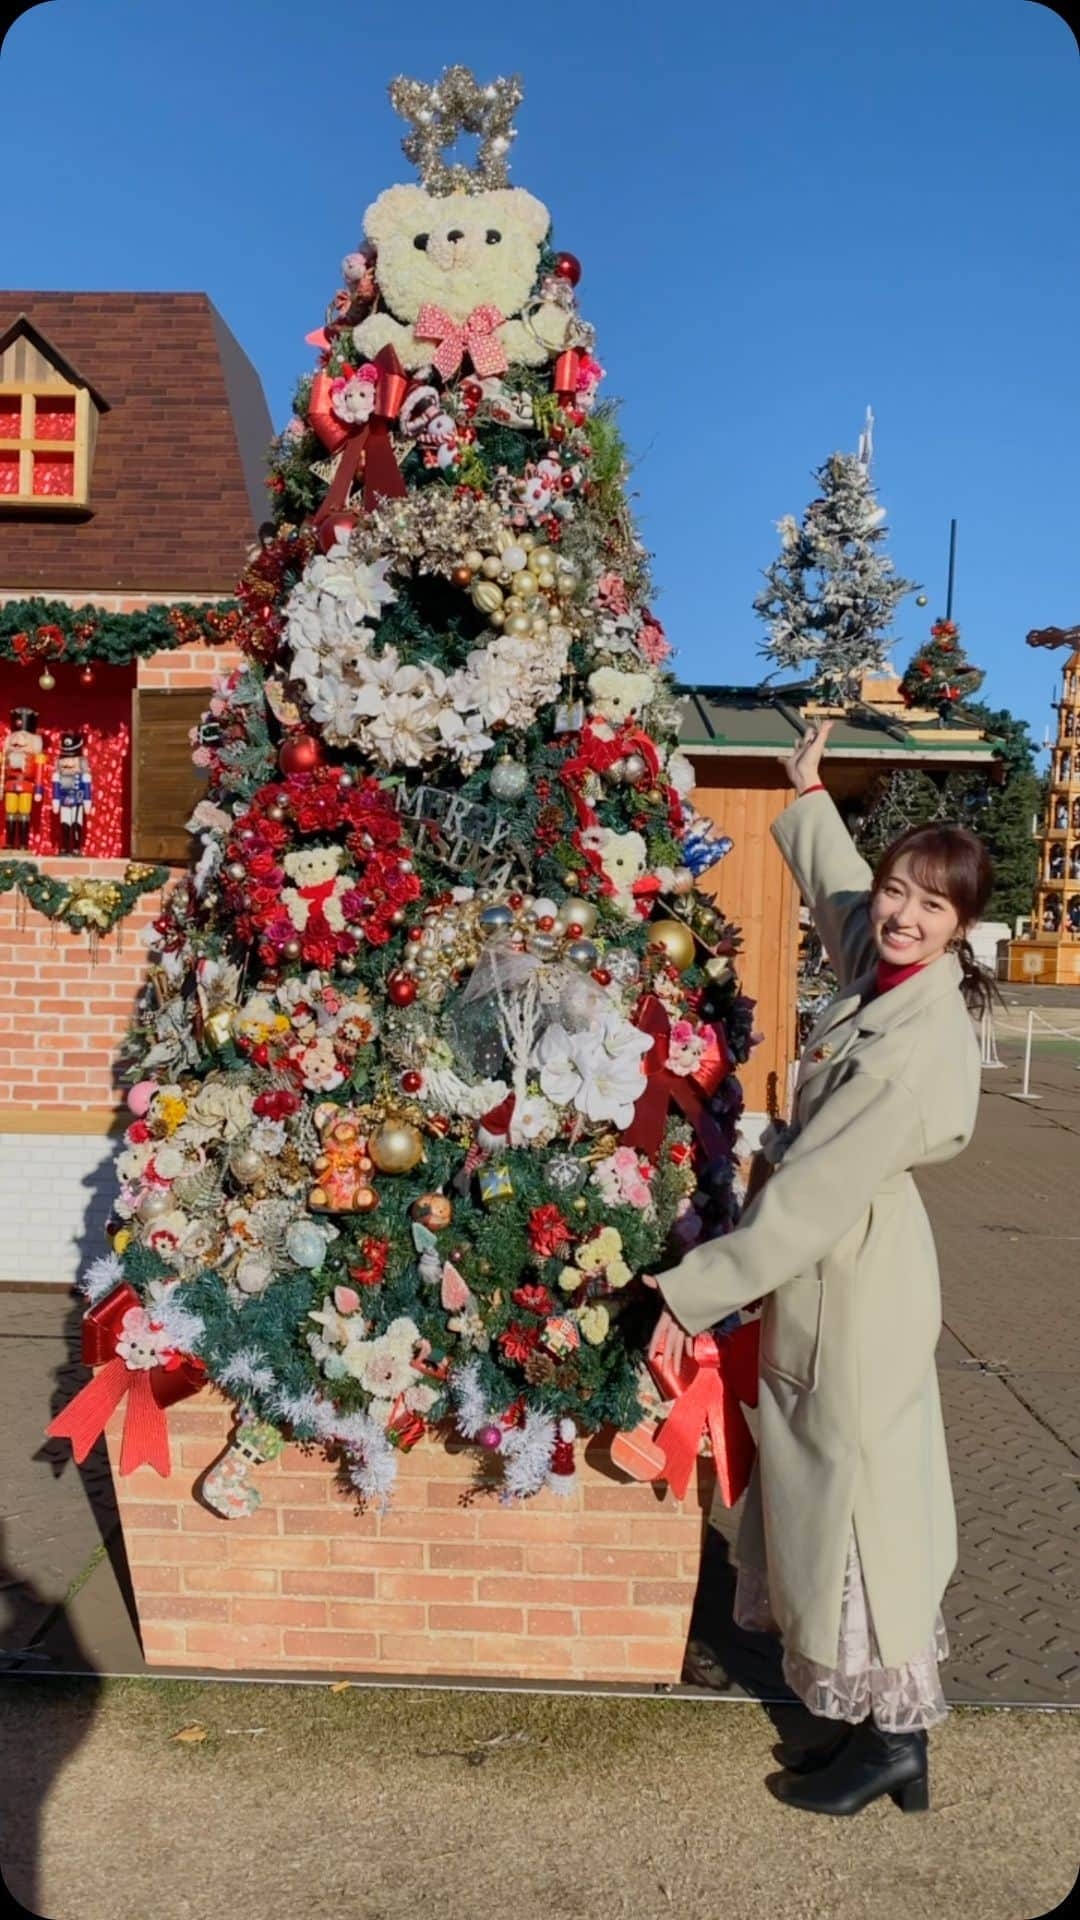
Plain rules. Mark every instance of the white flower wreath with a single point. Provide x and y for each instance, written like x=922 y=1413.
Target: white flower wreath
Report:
x=406 y=714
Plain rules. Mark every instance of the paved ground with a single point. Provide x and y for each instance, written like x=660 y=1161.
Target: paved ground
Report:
x=1008 y=1231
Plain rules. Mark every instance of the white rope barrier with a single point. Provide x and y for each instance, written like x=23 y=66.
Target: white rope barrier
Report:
x=988 y=1041
x=1049 y=1029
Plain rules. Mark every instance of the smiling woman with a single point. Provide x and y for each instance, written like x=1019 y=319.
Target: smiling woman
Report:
x=848 y=1538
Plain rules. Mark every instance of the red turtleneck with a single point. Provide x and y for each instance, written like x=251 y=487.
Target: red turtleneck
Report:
x=889 y=976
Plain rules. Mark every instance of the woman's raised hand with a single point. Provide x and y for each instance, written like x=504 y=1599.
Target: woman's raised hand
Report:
x=803 y=765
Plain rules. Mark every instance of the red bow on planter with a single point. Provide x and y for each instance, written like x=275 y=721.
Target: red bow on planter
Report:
x=709 y=1395
x=690 y=1092
x=370 y=442
x=118 y=1335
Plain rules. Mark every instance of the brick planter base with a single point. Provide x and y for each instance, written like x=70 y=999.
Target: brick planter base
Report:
x=596 y=1586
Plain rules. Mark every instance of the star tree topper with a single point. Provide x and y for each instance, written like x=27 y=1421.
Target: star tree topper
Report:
x=440 y=113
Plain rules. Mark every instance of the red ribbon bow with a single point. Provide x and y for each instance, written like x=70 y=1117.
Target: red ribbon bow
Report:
x=722 y=1377
x=149 y=1391
x=596 y=753
x=370 y=442
x=690 y=1092
x=477 y=336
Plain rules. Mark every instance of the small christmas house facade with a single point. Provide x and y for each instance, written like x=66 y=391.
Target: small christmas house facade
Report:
x=133 y=435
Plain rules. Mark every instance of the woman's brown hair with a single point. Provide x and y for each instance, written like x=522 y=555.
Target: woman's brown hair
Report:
x=952 y=862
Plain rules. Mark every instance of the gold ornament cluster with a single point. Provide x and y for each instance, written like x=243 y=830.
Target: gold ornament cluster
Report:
x=441 y=112
x=518 y=582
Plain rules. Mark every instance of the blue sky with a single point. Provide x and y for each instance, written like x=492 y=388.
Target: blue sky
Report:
x=783 y=212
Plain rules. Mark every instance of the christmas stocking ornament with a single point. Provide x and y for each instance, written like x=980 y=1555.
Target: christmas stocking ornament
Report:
x=226 y=1487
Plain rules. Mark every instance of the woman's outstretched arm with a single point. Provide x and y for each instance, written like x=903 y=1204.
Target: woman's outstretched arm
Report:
x=833 y=877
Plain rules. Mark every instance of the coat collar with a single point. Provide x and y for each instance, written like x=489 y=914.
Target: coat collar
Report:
x=910 y=997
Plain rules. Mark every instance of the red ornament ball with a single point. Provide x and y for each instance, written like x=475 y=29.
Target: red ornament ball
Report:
x=300 y=753
x=601 y=976
x=411 y=1081
x=402 y=989
x=568 y=267
x=546 y=922
x=86 y=676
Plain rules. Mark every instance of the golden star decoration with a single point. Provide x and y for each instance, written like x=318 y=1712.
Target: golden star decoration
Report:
x=441 y=112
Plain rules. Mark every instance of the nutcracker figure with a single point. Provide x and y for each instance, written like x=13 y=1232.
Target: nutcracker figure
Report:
x=72 y=792
x=22 y=776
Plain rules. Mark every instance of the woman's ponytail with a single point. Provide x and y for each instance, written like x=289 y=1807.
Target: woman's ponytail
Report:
x=979 y=990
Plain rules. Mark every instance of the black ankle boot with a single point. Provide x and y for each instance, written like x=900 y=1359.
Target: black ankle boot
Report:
x=869 y=1764
x=811 y=1759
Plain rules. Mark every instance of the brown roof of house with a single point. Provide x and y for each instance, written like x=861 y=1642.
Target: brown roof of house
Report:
x=176 y=488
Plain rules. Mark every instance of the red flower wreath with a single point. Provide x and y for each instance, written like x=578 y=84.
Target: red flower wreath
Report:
x=356 y=815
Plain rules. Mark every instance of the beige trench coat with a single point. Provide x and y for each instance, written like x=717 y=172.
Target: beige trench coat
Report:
x=850 y=1426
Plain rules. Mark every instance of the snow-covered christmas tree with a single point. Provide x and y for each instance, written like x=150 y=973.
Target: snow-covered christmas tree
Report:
x=832 y=592
x=438 y=1051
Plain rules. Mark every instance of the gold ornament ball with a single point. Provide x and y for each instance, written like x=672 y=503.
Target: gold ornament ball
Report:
x=473 y=558
x=580 y=1203
x=577 y=913
x=920 y=600
x=675 y=939
x=396 y=1146
x=524 y=585
x=492 y=566
x=541 y=560
x=497 y=619
x=46 y=681
x=519 y=624
x=486 y=596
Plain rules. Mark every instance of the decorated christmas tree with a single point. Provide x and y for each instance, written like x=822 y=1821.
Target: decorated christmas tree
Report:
x=832 y=592
x=438 y=1050
x=939 y=675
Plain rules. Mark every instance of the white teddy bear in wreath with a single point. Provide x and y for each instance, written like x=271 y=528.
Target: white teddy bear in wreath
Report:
x=319 y=887
x=456 y=272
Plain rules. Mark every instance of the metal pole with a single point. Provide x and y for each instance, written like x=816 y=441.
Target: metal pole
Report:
x=1025 y=1091
x=952 y=569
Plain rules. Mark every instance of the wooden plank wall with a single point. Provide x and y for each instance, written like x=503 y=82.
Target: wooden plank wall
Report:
x=754 y=889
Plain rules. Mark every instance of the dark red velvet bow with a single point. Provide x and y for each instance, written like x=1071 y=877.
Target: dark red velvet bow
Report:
x=690 y=1093
x=370 y=442
x=149 y=1391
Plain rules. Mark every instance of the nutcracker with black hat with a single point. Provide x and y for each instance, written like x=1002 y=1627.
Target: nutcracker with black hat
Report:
x=72 y=791
x=22 y=776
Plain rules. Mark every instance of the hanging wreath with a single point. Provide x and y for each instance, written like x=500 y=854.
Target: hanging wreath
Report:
x=315 y=866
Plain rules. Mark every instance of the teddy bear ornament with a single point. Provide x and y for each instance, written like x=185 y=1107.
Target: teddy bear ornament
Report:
x=457 y=257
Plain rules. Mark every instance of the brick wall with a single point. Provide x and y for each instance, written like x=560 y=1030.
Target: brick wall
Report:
x=596 y=1586
x=188 y=667
x=64 y=1007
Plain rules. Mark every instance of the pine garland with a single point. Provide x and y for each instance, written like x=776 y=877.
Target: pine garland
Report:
x=89 y=905
x=49 y=630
